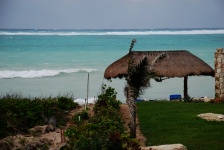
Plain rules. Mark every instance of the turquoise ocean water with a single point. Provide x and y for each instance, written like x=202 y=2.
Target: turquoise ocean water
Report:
x=57 y=62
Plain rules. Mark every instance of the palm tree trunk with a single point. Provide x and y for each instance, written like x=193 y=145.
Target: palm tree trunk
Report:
x=133 y=109
x=133 y=89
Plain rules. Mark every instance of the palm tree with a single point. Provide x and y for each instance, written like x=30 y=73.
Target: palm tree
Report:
x=137 y=79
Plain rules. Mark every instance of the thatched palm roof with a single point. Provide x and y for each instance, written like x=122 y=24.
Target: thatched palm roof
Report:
x=179 y=63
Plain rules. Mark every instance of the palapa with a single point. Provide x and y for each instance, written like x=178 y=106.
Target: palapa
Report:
x=177 y=63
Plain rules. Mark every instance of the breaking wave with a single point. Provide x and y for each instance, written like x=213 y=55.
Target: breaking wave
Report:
x=9 y=74
x=111 y=32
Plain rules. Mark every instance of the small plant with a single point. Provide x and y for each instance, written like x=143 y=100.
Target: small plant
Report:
x=187 y=99
x=107 y=99
x=84 y=115
x=80 y=117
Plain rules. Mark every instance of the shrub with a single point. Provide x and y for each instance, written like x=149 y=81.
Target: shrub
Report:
x=104 y=130
x=18 y=114
x=107 y=99
x=66 y=103
x=80 y=117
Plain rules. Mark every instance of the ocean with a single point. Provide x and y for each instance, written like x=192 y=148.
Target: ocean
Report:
x=41 y=63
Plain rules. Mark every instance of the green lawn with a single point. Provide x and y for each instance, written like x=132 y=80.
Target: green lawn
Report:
x=164 y=122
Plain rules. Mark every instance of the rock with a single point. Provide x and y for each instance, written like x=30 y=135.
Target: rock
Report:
x=212 y=116
x=166 y=147
x=51 y=124
x=203 y=99
x=207 y=99
x=50 y=128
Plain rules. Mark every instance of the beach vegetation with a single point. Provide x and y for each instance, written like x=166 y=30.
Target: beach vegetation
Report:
x=66 y=103
x=164 y=122
x=104 y=130
x=187 y=99
x=107 y=99
x=18 y=114
x=80 y=117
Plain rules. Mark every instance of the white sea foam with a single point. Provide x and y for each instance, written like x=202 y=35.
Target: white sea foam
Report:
x=82 y=101
x=119 y=32
x=8 y=74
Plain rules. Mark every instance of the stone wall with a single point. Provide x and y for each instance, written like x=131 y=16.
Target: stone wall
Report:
x=219 y=74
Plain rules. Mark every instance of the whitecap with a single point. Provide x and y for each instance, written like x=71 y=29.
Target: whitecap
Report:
x=82 y=101
x=118 y=32
x=8 y=74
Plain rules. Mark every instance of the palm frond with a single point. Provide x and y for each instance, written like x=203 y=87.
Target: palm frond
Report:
x=157 y=59
x=132 y=45
x=138 y=77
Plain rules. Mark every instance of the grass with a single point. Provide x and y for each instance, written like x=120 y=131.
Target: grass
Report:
x=164 y=122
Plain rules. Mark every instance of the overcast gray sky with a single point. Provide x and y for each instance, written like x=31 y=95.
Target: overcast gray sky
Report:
x=111 y=14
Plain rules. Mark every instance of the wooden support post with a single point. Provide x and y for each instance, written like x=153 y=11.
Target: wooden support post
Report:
x=185 y=87
x=62 y=135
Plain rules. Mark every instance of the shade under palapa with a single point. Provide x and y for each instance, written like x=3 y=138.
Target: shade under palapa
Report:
x=177 y=63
